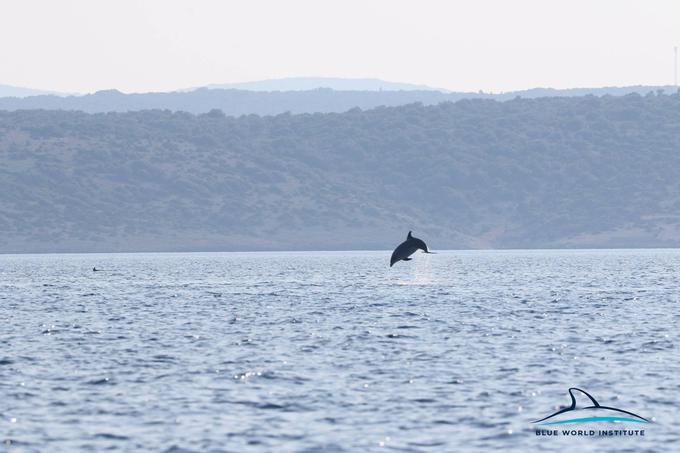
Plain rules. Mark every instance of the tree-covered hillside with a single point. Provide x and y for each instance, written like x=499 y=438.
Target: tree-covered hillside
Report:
x=550 y=172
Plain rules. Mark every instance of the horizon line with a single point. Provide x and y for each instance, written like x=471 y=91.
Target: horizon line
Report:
x=489 y=250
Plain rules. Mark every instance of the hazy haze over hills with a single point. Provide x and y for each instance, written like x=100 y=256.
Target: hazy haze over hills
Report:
x=334 y=83
x=548 y=172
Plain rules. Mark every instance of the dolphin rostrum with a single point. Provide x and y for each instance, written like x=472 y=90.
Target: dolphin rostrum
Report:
x=408 y=248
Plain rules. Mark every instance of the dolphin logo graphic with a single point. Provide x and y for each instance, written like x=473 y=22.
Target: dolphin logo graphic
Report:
x=594 y=413
x=408 y=248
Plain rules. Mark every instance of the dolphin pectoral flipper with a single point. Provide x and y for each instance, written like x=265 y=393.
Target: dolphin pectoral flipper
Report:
x=407 y=259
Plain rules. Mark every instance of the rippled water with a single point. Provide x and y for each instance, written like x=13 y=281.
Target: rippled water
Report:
x=458 y=351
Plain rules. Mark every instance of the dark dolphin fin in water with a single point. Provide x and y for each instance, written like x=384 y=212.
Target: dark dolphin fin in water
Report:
x=408 y=248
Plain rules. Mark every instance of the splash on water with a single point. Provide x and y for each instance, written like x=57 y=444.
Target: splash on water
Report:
x=420 y=271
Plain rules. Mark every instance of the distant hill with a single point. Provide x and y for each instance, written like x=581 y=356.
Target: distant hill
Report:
x=313 y=83
x=547 y=172
x=245 y=102
x=231 y=102
x=20 y=92
x=570 y=92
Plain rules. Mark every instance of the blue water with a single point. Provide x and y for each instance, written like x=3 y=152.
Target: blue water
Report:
x=458 y=351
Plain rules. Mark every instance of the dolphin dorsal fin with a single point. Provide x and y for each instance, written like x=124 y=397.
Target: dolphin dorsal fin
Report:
x=409 y=235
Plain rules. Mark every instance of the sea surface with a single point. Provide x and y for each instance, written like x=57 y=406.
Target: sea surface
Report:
x=335 y=351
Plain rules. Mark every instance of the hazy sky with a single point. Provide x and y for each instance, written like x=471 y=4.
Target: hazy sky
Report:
x=492 y=45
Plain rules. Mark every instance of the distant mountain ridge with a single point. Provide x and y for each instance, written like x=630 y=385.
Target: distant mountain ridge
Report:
x=527 y=173
x=235 y=102
x=21 y=92
x=313 y=83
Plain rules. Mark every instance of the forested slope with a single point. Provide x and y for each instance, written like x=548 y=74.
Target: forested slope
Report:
x=550 y=172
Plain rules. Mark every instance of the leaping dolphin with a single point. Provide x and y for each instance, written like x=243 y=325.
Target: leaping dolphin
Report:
x=408 y=248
